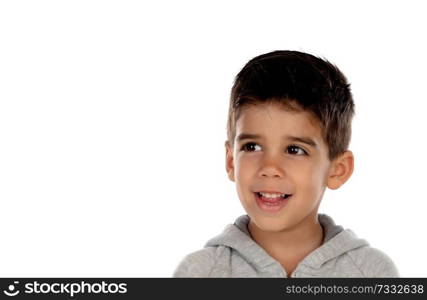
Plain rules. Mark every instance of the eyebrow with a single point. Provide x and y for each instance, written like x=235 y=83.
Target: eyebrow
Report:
x=301 y=139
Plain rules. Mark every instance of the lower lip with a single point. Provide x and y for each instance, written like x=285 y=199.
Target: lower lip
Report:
x=269 y=206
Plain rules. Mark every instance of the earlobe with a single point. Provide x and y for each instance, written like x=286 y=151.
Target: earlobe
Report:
x=229 y=165
x=341 y=170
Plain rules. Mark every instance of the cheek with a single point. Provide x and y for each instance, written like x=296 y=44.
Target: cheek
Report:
x=310 y=179
x=244 y=166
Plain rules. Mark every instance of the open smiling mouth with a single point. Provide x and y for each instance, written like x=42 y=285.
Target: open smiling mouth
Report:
x=271 y=202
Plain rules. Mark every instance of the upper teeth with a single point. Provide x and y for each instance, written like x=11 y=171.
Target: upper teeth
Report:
x=267 y=195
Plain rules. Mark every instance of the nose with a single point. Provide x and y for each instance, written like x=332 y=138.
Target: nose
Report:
x=271 y=167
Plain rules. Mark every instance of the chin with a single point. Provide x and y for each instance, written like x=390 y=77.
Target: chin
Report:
x=270 y=224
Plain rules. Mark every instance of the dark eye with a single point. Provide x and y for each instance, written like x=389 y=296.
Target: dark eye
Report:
x=249 y=147
x=294 y=150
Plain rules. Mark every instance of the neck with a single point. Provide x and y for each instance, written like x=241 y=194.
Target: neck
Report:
x=290 y=244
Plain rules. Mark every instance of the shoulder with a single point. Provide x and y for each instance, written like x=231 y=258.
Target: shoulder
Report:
x=197 y=264
x=373 y=262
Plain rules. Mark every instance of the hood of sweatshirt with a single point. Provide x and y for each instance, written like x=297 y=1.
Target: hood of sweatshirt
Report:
x=337 y=241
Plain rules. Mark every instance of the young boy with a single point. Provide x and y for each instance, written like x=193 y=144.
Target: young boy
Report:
x=289 y=128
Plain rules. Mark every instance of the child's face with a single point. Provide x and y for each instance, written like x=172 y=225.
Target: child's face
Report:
x=275 y=162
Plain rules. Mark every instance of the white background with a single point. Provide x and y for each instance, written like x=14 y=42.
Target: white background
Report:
x=113 y=122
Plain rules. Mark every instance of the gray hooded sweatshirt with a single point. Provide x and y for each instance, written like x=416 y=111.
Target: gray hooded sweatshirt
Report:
x=233 y=253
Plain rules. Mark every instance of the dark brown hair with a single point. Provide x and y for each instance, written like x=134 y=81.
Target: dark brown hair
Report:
x=298 y=81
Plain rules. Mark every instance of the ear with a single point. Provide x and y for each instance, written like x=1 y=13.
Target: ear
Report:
x=340 y=170
x=229 y=164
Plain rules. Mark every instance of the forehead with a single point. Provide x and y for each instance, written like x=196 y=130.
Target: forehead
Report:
x=273 y=119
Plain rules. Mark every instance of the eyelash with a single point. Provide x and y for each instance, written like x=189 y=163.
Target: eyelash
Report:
x=251 y=143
